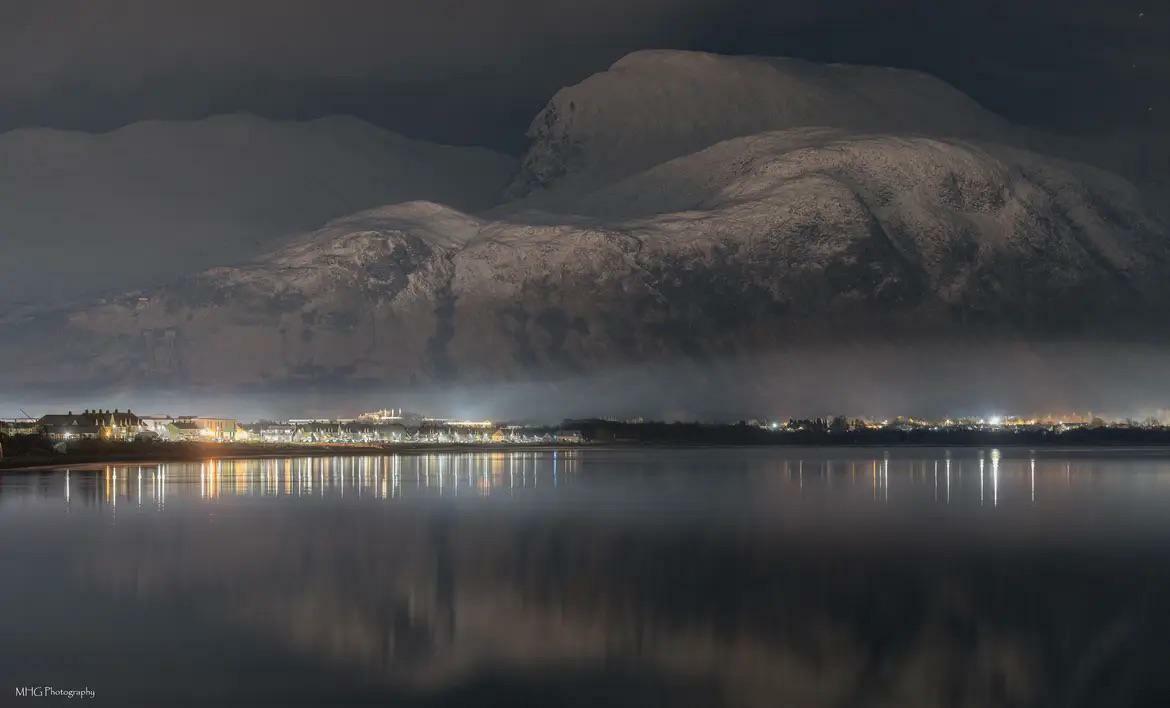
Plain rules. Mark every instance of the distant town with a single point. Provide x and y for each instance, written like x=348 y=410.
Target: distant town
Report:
x=386 y=426
x=395 y=426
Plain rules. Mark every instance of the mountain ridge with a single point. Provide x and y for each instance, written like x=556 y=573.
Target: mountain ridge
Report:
x=798 y=235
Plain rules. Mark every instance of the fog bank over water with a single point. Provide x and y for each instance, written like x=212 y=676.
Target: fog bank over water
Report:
x=960 y=378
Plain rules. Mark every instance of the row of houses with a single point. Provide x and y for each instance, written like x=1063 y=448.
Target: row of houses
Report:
x=127 y=425
x=366 y=430
x=392 y=427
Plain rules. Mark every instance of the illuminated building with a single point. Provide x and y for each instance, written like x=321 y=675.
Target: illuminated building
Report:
x=156 y=424
x=19 y=426
x=192 y=428
x=391 y=415
x=92 y=425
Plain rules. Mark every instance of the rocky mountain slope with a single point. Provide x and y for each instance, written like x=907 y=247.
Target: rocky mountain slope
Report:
x=801 y=235
x=153 y=200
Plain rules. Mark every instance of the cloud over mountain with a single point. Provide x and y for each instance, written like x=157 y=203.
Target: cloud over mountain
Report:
x=157 y=199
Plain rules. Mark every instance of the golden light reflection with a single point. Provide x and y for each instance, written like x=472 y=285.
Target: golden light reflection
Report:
x=458 y=476
x=1032 y=477
x=995 y=477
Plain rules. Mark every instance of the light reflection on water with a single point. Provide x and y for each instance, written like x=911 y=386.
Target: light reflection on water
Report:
x=600 y=577
x=383 y=477
x=978 y=480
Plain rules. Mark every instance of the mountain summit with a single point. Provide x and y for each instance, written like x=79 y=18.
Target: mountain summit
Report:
x=653 y=106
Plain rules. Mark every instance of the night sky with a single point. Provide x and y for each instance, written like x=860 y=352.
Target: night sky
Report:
x=476 y=72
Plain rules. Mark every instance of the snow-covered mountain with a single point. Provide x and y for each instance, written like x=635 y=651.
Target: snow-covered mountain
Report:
x=687 y=208
x=655 y=105
x=153 y=200
x=807 y=235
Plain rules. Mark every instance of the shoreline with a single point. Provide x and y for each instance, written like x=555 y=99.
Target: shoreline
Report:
x=253 y=451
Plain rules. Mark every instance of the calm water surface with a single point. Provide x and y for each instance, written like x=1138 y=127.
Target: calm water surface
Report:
x=744 y=577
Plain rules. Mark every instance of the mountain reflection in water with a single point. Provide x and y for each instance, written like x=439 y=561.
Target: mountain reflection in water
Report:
x=597 y=577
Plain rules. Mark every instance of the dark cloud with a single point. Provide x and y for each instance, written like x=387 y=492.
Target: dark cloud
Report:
x=475 y=72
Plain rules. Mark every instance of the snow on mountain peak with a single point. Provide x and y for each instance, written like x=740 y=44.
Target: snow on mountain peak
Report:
x=651 y=106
